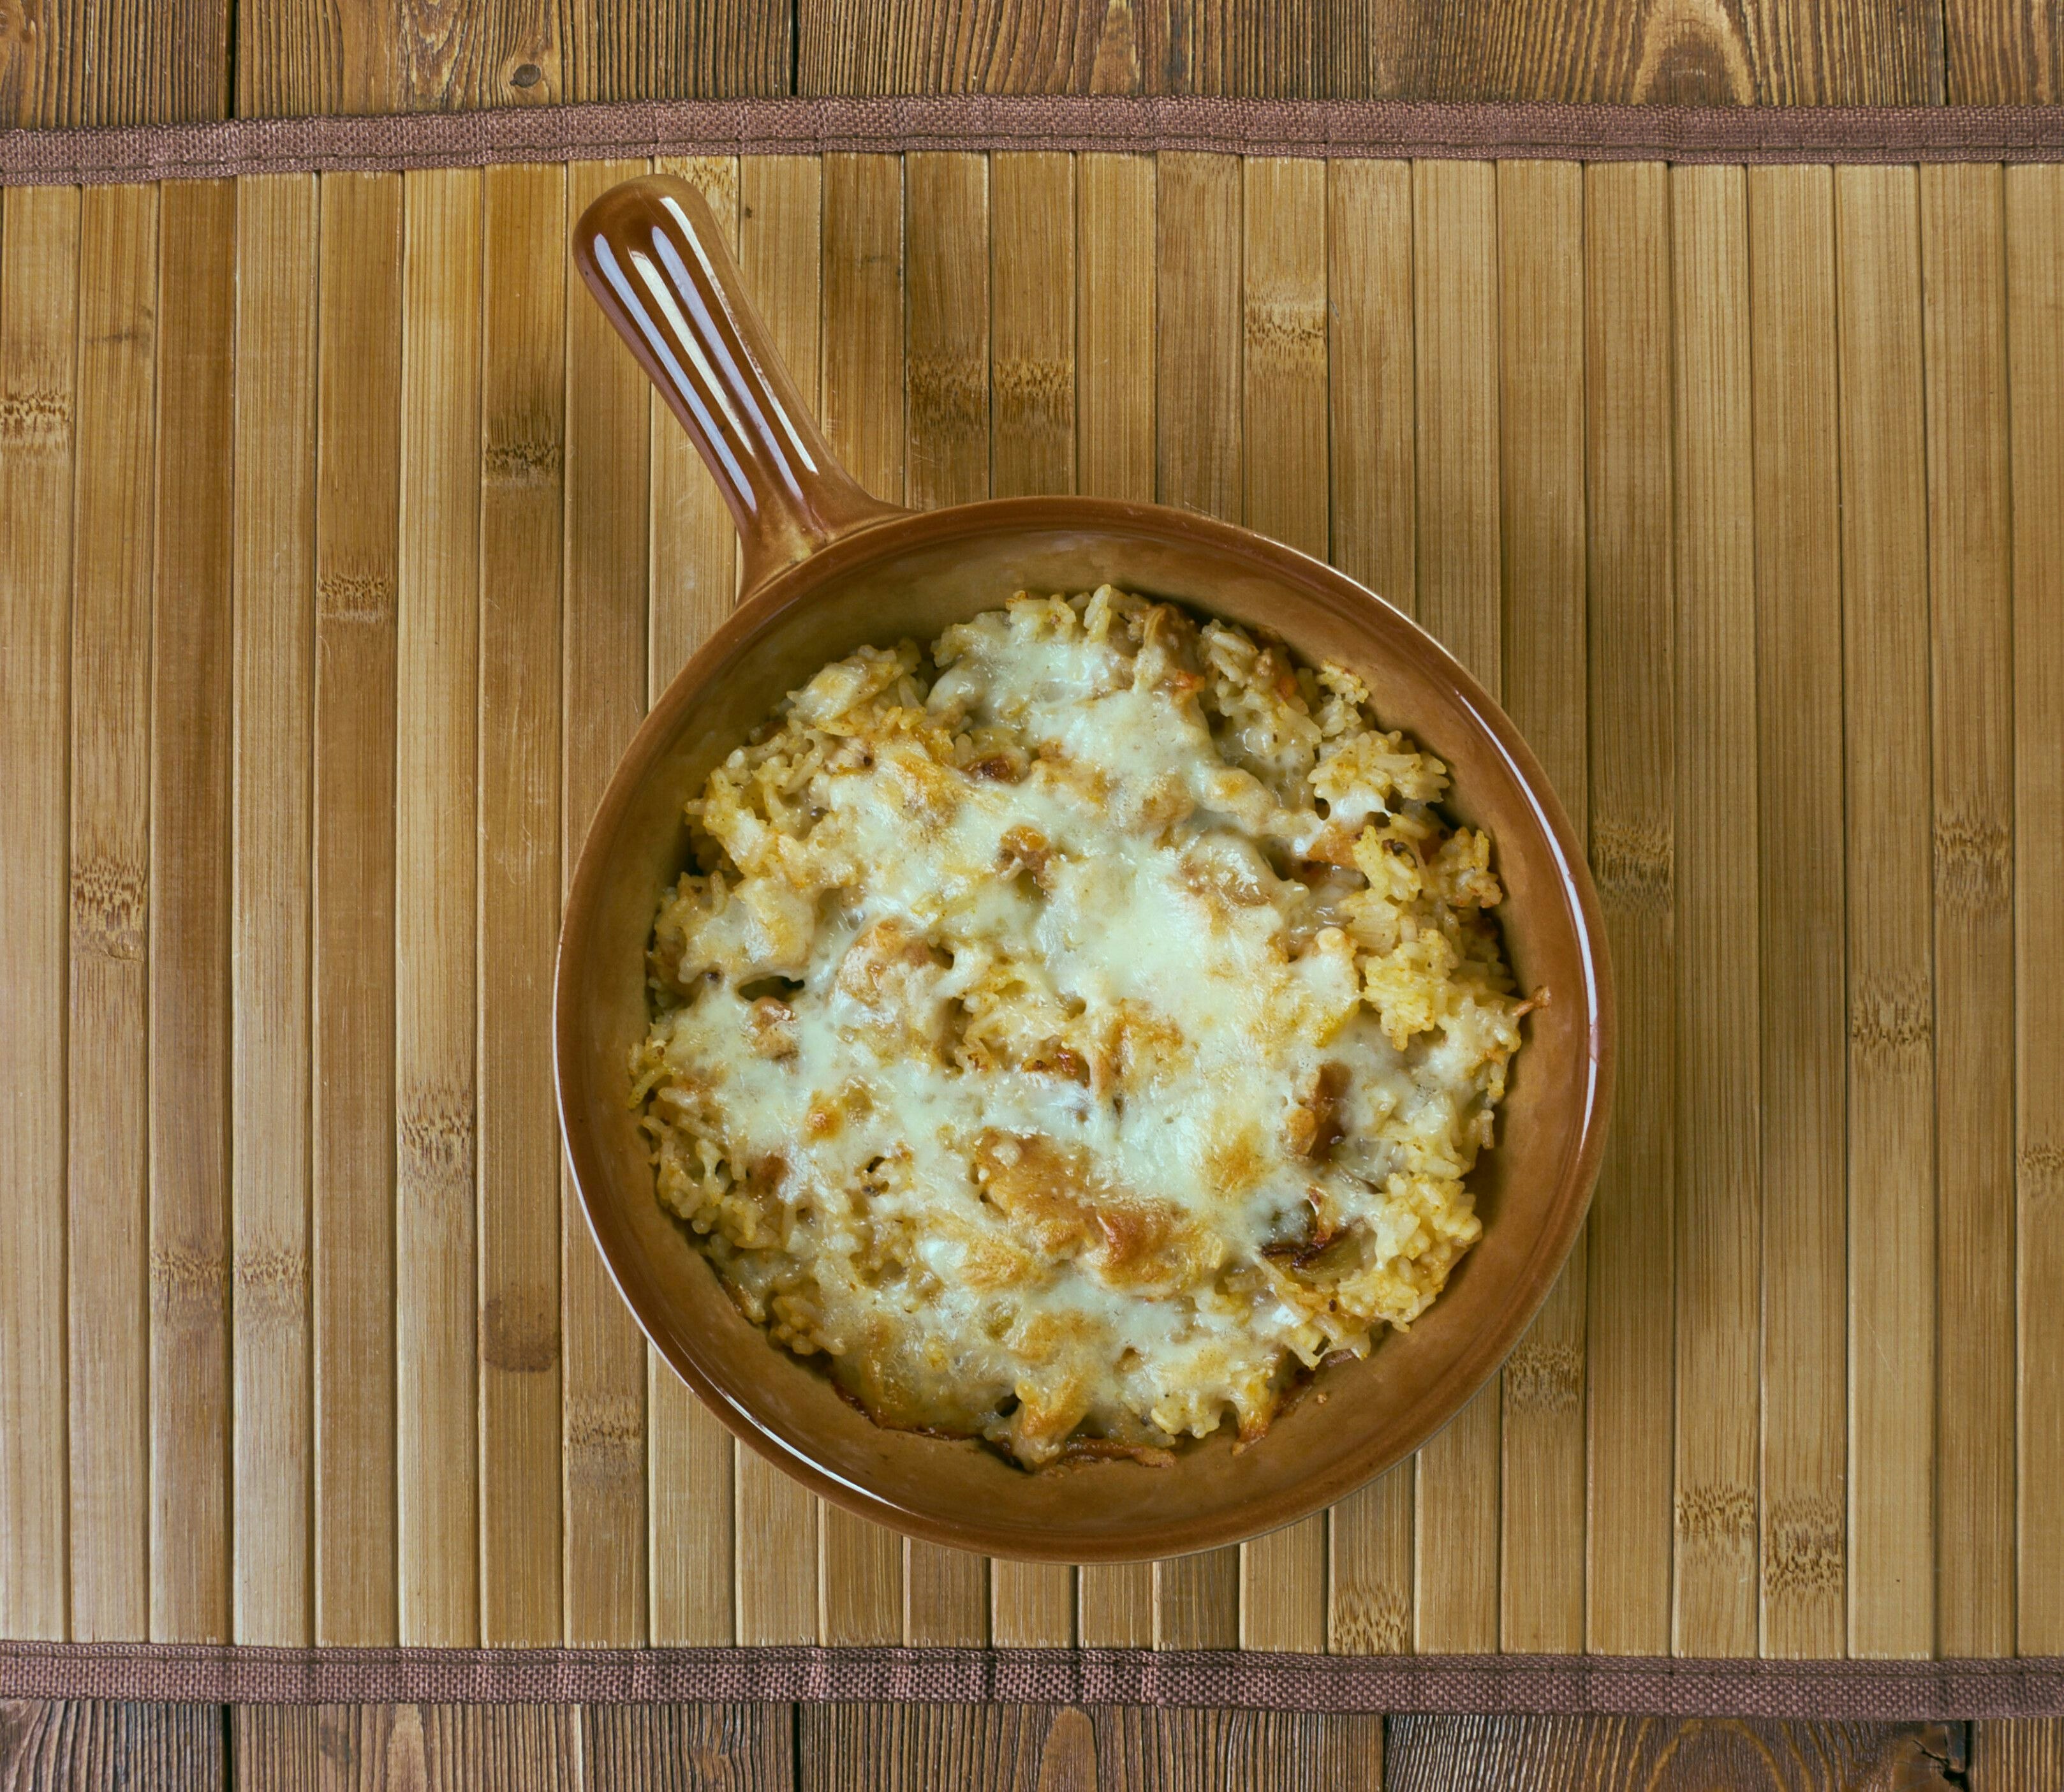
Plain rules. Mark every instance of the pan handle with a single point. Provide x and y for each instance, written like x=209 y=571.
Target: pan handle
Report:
x=651 y=255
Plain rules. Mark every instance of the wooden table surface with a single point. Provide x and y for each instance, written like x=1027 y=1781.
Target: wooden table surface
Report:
x=96 y=61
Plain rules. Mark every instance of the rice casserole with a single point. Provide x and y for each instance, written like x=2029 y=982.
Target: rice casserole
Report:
x=1073 y=1037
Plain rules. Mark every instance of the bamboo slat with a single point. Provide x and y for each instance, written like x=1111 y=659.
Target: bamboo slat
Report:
x=523 y=466
x=2035 y=366
x=1455 y=335
x=1374 y=501
x=1799 y=784
x=1891 y=988
x=107 y=1203
x=274 y=549
x=1283 y=1575
x=781 y=251
x=1198 y=466
x=1626 y=374
x=690 y=1496
x=437 y=912
x=1970 y=576
x=1114 y=304
x=358 y=452
x=39 y=371
x=1541 y=408
x=1718 y=1186
x=191 y=625
x=1032 y=451
x=860 y=1565
x=608 y=438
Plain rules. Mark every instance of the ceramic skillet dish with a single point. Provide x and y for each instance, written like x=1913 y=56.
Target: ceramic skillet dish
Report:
x=827 y=569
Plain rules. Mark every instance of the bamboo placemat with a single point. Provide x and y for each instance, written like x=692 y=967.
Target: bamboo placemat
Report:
x=341 y=547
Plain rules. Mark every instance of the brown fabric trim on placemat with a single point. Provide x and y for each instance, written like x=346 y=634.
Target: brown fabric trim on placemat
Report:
x=1070 y=122
x=1525 y=1685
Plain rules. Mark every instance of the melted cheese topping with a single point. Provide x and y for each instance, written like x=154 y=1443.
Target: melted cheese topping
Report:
x=1076 y=1035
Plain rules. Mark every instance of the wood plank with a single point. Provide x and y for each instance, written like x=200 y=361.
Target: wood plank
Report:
x=1117 y=1748
x=1115 y=296
x=191 y=647
x=1198 y=463
x=1373 y=524
x=82 y=1743
x=1720 y=1201
x=1541 y=435
x=437 y=826
x=1287 y=486
x=677 y=49
x=357 y=524
x=1561 y=1754
x=859 y=1573
x=107 y=1203
x=673 y=1748
x=1799 y=726
x=303 y=57
x=1765 y=52
x=2018 y=1755
x=274 y=702
x=1891 y=1006
x=780 y=239
x=2002 y=54
x=609 y=431
x=2035 y=338
x=388 y=1747
x=87 y=62
x=1970 y=576
x=38 y=369
x=890 y=46
x=694 y=573
x=523 y=432
x=1455 y=296
x=1032 y=376
x=1627 y=371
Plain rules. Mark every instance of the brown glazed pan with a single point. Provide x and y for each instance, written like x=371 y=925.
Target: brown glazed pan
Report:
x=827 y=568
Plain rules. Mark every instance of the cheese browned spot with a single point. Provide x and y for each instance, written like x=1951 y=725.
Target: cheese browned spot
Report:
x=1074 y=1035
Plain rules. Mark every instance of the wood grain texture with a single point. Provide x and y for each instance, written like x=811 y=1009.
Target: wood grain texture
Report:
x=690 y=1748
x=609 y=434
x=38 y=373
x=1632 y=620
x=1719 y=1199
x=274 y=549
x=1562 y=1755
x=1198 y=463
x=1970 y=577
x=988 y=1748
x=437 y=903
x=2002 y=54
x=693 y=571
x=297 y=57
x=107 y=1203
x=80 y=1745
x=1032 y=376
x=860 y=1565
x=1541 y=410
x=2035 y=340
x=2023 y=1756
x=1799 y=723
x=1455 y=298
x=1891 y=1006
x=358 y=523
x=522 y=466
x=193 y=645
x=408 y=1748
x=1286 y=494
x=112 y=61
x=1372 y=417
